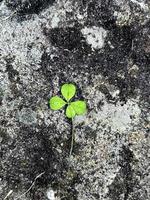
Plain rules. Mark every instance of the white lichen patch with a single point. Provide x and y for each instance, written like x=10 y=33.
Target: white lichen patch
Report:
x=141 y=3
x=123 y=18
x=4 y=11
x=95 y=36
x=25 y=45
x=100 y=139
x=55 y=16
x=55 y=20
x=126 y=16
x=119 y=117
x=51 y=194
x=27 y=116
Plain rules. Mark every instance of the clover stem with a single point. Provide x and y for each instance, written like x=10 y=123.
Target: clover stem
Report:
x=72 y=137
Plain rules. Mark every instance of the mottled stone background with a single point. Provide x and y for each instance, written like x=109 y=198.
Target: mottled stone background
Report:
x=103 y=46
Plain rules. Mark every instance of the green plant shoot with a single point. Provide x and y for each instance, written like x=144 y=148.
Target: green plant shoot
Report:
x=68 y=91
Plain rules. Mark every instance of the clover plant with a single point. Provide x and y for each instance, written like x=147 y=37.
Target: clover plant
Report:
x=73 y=108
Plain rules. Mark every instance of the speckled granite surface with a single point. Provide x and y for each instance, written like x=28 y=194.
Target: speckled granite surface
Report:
x=102 y=46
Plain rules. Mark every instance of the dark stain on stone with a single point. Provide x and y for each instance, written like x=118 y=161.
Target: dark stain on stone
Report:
x=63 y=64
x=126 y=169
x=125 y=181
x=23 y=7
x=97 y=196
x=106 y=92
x=111 y=60
x=37 y=194
x=124 y=47
x=12 y=73
x=13 y=76
x=74 y=54
x=100 y=105
x=4 y=136
x=69 y=38
x=90 y=133
x=1 y=96
x=34 y=153
x=141 y=58
x=100 y=14
x=121 y=39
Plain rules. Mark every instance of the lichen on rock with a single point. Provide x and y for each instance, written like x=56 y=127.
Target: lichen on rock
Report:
x=102 y=47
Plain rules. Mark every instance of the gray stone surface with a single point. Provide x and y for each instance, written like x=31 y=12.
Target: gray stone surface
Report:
x=104 y=48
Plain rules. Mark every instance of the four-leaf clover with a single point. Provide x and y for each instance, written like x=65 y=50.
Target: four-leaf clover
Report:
x=73 y=108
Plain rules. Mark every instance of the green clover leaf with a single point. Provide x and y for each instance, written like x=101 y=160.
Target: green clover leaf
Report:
x=79 y=107
x=68 y=91
x=56 y=103
x=70 y=112
x=73 y=108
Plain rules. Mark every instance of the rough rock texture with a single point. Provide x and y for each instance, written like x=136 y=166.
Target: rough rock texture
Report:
x=102 y=46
